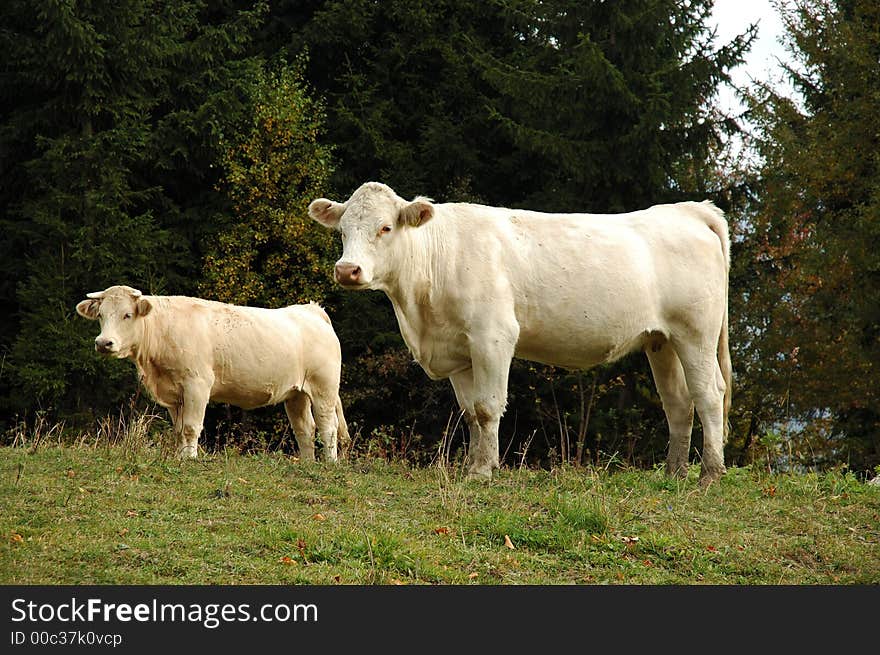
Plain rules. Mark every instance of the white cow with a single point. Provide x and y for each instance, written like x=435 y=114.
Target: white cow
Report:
x=474 y=286
x=190 y=351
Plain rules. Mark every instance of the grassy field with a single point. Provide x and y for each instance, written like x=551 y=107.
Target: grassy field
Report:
x=118 y=515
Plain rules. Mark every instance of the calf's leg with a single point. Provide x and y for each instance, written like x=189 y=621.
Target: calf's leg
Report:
x=188 y=418
x=299 y=413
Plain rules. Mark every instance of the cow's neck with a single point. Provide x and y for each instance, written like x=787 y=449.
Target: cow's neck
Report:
x=414 y=287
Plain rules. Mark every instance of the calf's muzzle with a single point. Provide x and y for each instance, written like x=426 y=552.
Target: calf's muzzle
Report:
x=103 y=345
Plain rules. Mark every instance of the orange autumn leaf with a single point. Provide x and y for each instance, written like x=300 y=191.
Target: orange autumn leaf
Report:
x=17 y=538
x=508 y=542
x=473 y=575
x=441 y=530
x=319 y=517
x=287 y=560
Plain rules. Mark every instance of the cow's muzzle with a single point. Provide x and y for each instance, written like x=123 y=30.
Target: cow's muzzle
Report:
x=105 y=345
x=349 y=275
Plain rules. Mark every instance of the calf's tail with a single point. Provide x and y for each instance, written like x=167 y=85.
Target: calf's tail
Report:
x=343 y=438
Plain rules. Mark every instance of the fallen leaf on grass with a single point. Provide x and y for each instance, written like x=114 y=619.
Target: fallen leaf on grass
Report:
x=131 y=513
x=337 y=578
x=17 y=538
x=287 y=560
x=123 y=532
x=242 y=480
x=630 y=540
x=443 y=530
x=301 y=545
x=711 y=549
x=508 y=542
x=473 y=575
x=319 y=517
x=70 y=473
x=397 y=582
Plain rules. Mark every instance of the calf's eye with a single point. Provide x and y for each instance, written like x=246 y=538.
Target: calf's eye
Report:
x=127 y=316
x=385 y=229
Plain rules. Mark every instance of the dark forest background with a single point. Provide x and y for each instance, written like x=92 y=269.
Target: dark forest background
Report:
x=175 y=146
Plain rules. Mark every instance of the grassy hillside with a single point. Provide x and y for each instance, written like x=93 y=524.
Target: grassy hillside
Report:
x=123 y=515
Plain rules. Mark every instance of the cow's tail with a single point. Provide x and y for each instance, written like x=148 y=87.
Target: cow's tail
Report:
x=718 y=224
x=343 y=438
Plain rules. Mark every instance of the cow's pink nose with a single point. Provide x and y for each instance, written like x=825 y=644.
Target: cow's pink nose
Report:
x=348 y=274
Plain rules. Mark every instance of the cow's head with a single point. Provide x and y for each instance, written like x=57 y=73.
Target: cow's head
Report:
x=373 y=224
x=120 y=310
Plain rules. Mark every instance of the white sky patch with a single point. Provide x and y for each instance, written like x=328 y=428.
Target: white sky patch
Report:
x=732 y=18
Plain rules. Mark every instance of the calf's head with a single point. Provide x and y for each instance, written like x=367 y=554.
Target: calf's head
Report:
x=120 y=310
x=373 y=223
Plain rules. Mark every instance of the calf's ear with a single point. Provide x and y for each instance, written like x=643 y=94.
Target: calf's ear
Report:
x=326 y=212
x=144 y=306
x=418 y=212
x=88 y=309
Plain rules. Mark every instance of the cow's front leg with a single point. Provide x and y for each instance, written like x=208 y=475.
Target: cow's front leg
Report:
x=189 y=419
x=481 y=392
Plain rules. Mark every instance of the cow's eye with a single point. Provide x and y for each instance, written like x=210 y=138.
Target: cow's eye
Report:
x=127 y=316
x=385 y=229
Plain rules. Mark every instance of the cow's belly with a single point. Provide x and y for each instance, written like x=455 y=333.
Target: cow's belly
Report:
x=578 y=354
x=580 y=335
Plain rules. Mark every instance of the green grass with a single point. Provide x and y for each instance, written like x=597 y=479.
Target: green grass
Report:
x=118 y=515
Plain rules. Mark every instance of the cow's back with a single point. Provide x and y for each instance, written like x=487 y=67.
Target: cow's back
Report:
x=584 y=288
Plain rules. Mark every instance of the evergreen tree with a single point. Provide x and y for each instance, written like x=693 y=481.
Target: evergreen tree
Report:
x=816 y=301
x=109 y=116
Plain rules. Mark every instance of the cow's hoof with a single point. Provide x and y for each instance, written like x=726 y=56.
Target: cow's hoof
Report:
x=708 y=476
x=677 y=471
x=483 y=474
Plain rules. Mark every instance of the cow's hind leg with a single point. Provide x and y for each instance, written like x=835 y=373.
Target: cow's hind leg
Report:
x=706 y=385
x=677 y=404
x=299 y=413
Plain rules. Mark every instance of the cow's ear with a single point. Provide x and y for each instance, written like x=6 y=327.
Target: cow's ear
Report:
x=326 y=212
x=418 y=212
x=144 y=306
x=88 y=309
